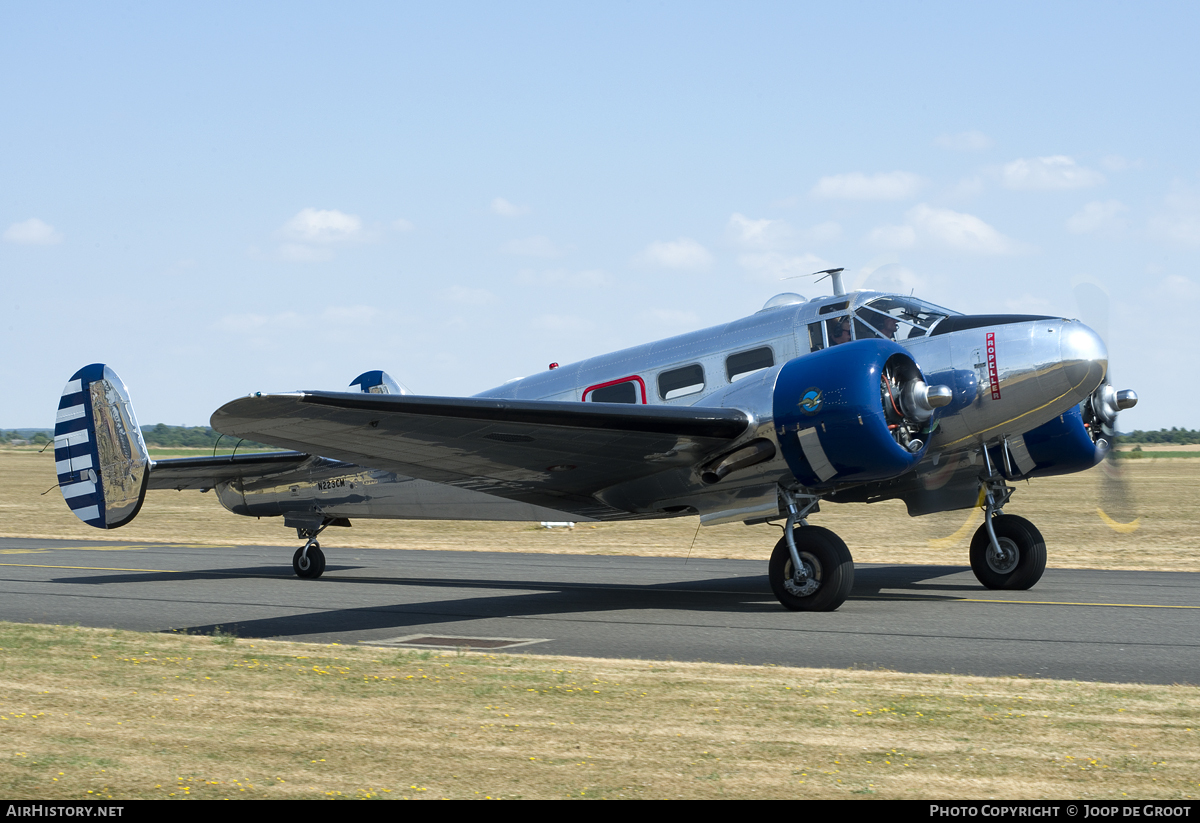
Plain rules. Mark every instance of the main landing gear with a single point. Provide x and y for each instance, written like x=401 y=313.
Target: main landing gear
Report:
x=1007 y=552
x=309 y=561
x=811 y=569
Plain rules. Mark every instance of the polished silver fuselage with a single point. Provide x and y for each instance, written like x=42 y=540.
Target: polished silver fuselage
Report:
x=1007 y=379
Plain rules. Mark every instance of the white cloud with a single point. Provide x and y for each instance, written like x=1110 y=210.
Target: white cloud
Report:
x=400 y=224
x=943 y=227
x=323 y=226
x=537 y=246
x=896 y=185
x=1100 y=214
x=1046 y=173
x=773 y=266
x=958 y=230
x=504 y=208
x=32 y=232
x=555 y=278
x=757 y=233
x=684 y=253
x=964 y=141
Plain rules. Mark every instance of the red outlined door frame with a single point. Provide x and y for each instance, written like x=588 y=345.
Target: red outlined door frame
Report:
x=631 y=378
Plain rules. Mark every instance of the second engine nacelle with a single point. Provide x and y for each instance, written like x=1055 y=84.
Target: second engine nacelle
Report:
x=854 y=413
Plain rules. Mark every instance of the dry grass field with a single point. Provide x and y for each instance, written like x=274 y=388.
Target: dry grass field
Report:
x=1166 y=496
x=90 y=713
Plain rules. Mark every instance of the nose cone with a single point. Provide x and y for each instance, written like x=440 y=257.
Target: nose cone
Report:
x=1084 y=356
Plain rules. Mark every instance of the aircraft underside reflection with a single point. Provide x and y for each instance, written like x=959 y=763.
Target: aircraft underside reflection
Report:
x=851 y=398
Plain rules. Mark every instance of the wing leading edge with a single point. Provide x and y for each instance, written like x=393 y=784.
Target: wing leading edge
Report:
x=548 y=453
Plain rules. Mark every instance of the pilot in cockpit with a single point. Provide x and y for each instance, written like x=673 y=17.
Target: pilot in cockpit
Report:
x=839 y=331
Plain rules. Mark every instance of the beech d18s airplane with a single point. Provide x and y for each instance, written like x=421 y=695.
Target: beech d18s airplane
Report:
x=857 y=397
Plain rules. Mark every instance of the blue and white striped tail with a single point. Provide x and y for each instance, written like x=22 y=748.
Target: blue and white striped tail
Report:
x=99 y=453
x=378 y=382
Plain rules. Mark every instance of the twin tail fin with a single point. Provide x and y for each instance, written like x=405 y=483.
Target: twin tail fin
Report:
x=99 y=454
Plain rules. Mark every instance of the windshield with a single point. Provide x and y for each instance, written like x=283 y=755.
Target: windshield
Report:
x=897 y=318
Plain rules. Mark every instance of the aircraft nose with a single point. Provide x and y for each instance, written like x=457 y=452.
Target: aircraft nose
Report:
x=1083 y=355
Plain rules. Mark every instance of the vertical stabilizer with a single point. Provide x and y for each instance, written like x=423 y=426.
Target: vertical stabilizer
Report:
x=99 y=454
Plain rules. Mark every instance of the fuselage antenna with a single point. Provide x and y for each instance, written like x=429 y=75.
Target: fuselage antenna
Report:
x=836 y=276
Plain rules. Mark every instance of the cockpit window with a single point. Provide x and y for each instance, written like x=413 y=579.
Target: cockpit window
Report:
x=897 y=318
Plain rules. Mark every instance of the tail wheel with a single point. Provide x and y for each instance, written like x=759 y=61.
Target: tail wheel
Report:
x=309 y=567
x=1020 y=560
x=829 y=568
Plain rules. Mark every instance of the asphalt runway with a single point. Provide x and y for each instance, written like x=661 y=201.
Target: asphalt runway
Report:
x=1114 y=626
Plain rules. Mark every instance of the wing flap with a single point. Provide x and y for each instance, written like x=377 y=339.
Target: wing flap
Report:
x=549 y=453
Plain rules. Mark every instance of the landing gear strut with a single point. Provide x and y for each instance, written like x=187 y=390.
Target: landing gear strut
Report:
x=811 y=569
x=1007 y=552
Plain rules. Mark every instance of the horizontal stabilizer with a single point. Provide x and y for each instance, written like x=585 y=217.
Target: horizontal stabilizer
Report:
x=206 y=472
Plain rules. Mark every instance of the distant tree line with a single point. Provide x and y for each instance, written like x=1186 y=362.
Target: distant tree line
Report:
x=162 y=436
x=1175 y=436
x=23 y=436
x=192 y=437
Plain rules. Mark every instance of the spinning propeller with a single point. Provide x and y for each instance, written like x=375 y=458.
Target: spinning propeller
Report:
x=1116 y=506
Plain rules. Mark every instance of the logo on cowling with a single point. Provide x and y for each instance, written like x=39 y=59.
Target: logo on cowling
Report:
x=811 y=401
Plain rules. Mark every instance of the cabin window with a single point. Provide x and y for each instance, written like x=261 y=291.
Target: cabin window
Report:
x=681 y=382
x=626 y=390
x=743 y=364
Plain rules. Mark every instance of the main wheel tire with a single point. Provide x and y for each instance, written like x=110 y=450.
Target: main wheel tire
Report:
x=830 y=571
x=1022 y=557
x=313 y=566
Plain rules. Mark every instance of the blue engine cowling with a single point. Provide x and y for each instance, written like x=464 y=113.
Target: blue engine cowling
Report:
x=839 y=416
x=1064 y=445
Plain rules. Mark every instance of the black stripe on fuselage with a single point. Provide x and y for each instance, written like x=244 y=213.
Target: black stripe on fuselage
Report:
x=962 y=322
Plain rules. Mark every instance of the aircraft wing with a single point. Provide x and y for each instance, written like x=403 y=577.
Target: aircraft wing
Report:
x=206 y=472
x=549 y=453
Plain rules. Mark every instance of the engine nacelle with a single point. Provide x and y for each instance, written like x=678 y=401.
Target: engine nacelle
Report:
x=854 y=413
x=1065 y=445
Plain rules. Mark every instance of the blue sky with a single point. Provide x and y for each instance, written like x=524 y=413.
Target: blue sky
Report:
x=216 y=199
